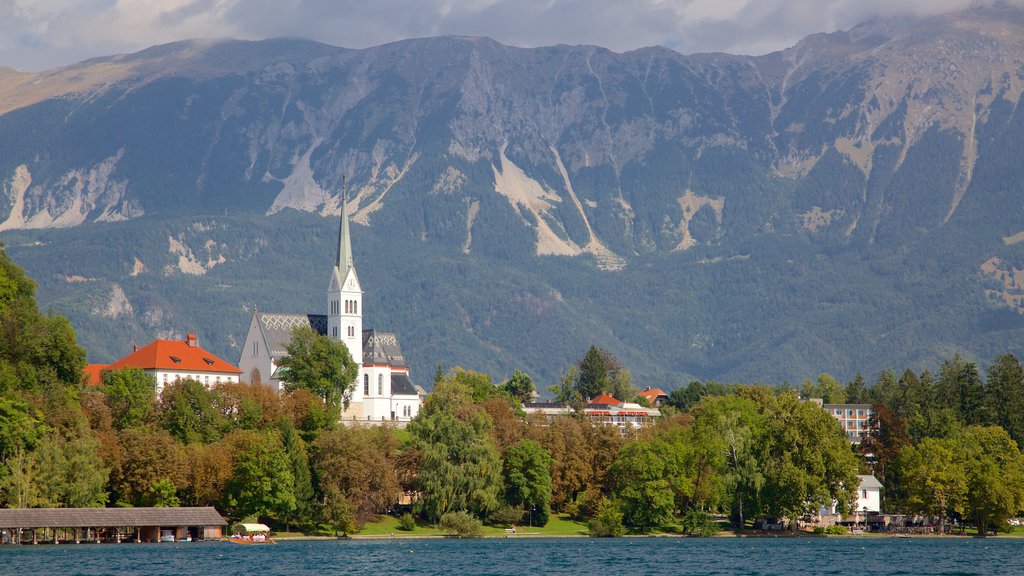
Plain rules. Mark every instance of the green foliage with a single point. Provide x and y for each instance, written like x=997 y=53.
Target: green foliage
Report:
x=162 y=494
x=527 y=472
x=320 y=365
x=596 y=373
x=69 y=473
x=646 y=477
x=994 y=470
x=698 y=523
x=406 y=522
x=459 y=468
x=834 y=530
x=607 y=521
x=262 y=483
x=21 y=427
x=461 y=524
x=188 y=412
x=298 y=459
x=336 y=511
x=131 y=396
x=507 y=516
x=519 y=386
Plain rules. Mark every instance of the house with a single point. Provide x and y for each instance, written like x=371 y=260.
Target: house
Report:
x=869 y=494
x=168 y=361
x=656 y=397
x=383 y=391
x=604 y=409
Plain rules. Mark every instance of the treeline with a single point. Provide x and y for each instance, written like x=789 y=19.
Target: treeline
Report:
x=944 y=445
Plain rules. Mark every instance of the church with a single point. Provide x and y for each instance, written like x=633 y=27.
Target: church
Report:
x=383 y=391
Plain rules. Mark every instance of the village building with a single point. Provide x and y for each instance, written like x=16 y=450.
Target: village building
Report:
x=76 y=525
x=604 y=410
x=854 y=419
x=383 y=391
x=168 y=361
x=656 y=397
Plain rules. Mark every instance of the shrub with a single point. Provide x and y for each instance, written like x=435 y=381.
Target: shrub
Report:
x=461 y=524
x=836 y=529
x=506 y=516
x=699 y=523
x=406 y=522
x=607 y=522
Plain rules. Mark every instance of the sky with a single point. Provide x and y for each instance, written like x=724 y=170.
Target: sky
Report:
x=40 y=34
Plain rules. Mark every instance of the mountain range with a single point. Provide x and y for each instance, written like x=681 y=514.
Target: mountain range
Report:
x=852 y=203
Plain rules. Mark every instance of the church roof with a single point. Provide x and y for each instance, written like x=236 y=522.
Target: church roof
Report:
x=344 y=258
x=277 y=328
x=401 y=385
x=174 y=355
x=382 y=348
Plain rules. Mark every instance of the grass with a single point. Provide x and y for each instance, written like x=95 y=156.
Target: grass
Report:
x=560 y=525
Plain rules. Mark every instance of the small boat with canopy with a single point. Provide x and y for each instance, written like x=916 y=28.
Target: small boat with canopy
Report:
x=251 y=533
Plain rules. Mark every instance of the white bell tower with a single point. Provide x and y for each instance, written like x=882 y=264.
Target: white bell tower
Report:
x=344 y=295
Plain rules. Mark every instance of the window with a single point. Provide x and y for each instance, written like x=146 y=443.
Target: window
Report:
x=334 y=332
x=255 y=348
x=355 y=307
x=380 y=384
x=366 y=384
x=351 y=331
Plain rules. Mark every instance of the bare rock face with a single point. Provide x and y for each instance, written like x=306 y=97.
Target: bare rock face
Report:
x=889 y=146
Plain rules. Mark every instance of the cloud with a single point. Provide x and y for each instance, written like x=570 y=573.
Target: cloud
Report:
x=36 y=34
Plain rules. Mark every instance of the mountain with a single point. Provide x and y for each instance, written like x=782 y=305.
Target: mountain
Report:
x=851 y=203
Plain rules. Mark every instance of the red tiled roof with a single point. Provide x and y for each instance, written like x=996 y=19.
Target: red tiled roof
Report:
x=174 y=355
x=652 y=393
x=92 y=374
x=606 y=398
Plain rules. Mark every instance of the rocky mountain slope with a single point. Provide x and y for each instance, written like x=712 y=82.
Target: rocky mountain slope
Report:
x=850 y=203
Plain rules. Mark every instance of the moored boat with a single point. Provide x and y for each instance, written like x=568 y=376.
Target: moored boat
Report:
x=249 y=533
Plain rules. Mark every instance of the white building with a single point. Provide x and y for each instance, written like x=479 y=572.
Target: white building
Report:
x=869 y=494
x=604 y=410
x=168 y=361
x=383 y=391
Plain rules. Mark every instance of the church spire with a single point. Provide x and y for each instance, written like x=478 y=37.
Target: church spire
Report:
x=344 y=260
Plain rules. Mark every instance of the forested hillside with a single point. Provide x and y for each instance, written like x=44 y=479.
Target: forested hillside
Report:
x=849 y=203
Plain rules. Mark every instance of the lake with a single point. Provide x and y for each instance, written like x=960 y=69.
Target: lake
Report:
x=747 y=556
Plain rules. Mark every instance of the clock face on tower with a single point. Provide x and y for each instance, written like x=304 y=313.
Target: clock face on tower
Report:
x=351 y=284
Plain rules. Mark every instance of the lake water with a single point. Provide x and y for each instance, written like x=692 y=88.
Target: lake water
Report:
x=747 y=556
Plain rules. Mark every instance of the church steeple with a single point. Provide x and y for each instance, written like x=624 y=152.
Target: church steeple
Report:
x=344 y=258
x=344 y=295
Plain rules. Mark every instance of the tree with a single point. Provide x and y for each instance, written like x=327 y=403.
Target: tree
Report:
x=261 y=483
x=1004 y=396
x=607 y=522
x=933 y=478
x=643 y=478
x=804 y=456
x=856 y=390
x=188 y=412
x=299 y=461
x=21 y=427
x=519 y=387
x=527 y=473
x=359 y=463
x=19 y=487
x=131 y=396
x=961 y=387
x=572 y=466
x=206 y=471
x=459 y=467
x=994 y=470
x=145 y=458
x=336 y=511
x=595 y=372
x=830 y=391
x=727 y=429
x=70 y=473
x=321 y=365
x=162 y=494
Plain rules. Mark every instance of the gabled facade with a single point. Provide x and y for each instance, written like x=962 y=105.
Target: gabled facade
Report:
x=383 y=391
x=604 y=409
x=168 y=361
